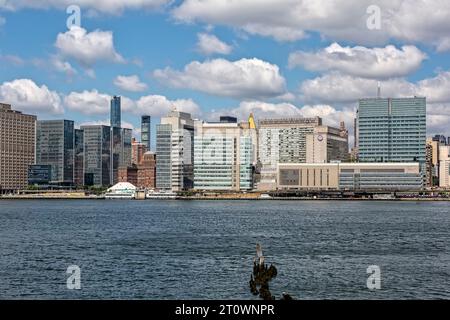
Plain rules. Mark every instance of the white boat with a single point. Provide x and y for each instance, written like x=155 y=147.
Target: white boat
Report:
x=161 y=194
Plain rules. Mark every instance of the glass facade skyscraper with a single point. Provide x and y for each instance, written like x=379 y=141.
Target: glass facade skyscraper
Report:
x=392 y=130
x=116 y=121
x=97 y=155
x=163 y=152
x=55 y=146
x=146 y=131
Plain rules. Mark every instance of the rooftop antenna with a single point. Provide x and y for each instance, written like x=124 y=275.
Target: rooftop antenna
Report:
x=379 y=90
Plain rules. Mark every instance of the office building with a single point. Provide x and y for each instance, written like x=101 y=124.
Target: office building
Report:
x=17 y=148
x=141 y=175
x=138 y=150
x=55 y=147
x=174 y=150
x=350 y=176
x=392 y=130
x=78 y=177
x=121 y=149
x=115 y=114
x=282 y=141
x=224 y=155
x=97 y=155
x=39 y=174
x=327 y=144
x=444 y=166
x=146 y=127
x=441 y=139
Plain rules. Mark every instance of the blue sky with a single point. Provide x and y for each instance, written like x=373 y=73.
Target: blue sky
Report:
x=257 y=56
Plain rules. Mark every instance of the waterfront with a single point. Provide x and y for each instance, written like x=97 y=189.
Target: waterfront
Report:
x=204 y=250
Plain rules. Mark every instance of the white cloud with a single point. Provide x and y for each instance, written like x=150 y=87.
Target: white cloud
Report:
x=12 y=59
x=96 y=103
x=62 y=66
x=245 y=78
x=130 y=83
x=158 y=106
x=379 y=63
x=417 y=21
x=113 y=7
x=209 y=44
x=87 y=48
x=88 y=102
x=27 y=96
x=339 y=88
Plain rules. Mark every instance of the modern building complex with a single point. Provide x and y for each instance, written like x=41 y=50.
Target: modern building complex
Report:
x=17 y=148
x=174 y=152
x=78 y=174
x=350 y=176
x=55 y=146
x=146 y=127
x=392 y=130
x=298 y=140
x=224 y=155
x=116 y=112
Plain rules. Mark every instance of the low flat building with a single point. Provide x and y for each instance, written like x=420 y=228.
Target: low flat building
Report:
x=349 y=176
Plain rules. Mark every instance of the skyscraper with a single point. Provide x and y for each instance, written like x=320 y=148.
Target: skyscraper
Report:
x=174 y=149
x=55 y=147
x=392 y=130
x=97 y=155
x=78 y=178
x=146 y=131
x=116 y=121
x=17 y=139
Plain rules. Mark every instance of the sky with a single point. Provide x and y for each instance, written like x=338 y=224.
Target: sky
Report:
x=275 y=58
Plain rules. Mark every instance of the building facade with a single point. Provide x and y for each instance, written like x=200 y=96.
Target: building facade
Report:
x=17 y=148
x=392 y=130
x=97 y=155
x=55 y=146
x=175 y=154
x=224 y=155
x=142 y=175
x=282 y=141
x=327 y=144
x=444 y=166
x=78 y=178
x=146 y=127
x=350 y=176
x=138 y=150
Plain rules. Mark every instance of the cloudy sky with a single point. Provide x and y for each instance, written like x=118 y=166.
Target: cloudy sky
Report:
x=275 y=58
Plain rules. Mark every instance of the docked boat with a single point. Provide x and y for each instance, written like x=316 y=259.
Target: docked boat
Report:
x=122 y=190
x=161 y=194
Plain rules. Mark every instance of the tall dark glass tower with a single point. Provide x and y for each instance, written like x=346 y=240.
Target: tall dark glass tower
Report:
x=115 y=112
x=145 y=131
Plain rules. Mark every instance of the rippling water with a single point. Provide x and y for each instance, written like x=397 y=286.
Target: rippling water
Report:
x=204 y=249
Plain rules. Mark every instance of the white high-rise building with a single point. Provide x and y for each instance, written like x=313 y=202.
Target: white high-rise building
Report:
x=224 y=155
x=444 y=166
x=174 y=148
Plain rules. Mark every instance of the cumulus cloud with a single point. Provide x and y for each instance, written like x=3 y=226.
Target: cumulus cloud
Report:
x=337 y=20
x=209 y=44
x=88 y=102
x=245 y=78
x=27 y=96
x=87 y=48
x=130 y=83
x=107 y=6
x=96 y=103
x=158 y=106
x=340 y=88
x=379 y=63
x=63 y=66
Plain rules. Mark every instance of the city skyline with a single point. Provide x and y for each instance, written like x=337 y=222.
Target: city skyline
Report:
x=174 y=55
